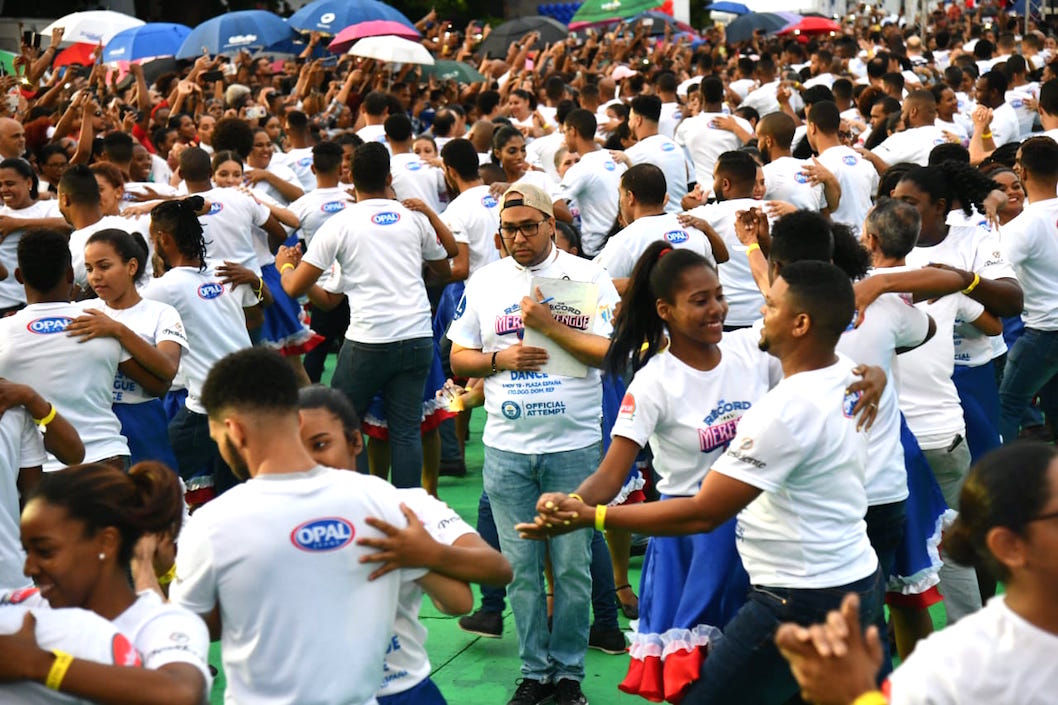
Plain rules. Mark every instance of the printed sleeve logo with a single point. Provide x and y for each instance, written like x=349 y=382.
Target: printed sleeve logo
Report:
x=413 y=166
x=385 y=218
x=319 y=535
x=16 y=597
x=215 y=207
x=676 y=236
x=305 y=161
x=851 y=399
x=801 y=177
x=628 y=408
x=851 y=159
x=49 y=325
x=668 y=147
x=210 y=290
x=511 y=410
x=1017 y=103
x=489 y=201
x=124 y=654
x=609 y=166
x=460 y=308
x=333 y=206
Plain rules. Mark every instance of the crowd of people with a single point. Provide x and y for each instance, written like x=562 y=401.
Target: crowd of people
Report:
x=786 y=306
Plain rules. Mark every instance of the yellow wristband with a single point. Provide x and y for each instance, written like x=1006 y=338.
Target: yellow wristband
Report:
x=577 y=497
x=600 y=517
x=874 y=697
x=973 y=284
x=751 y=248
x=986 y=135
x=168 y=576
x=58 y=669
x=285 y=267
x=43 y=423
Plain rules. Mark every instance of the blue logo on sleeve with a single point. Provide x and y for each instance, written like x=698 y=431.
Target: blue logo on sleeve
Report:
x=305 y=161
x=801 y=178
x=676 y=236
x=215 y=207
x=460 y=308
x=609 y=166
x=210 y=290
x=387 y=218
x=333 y=206
x=851 y=399
x=413 y=166
x=511 y=410
x=668 y=147
x=319 y=535
x=489 y=202
x=851 y=159
x=49 y=325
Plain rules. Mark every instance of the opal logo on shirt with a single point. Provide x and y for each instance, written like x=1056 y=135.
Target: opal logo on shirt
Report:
x=801 y=177
x=413 y=166
x=609 y=166
x=326 y=534
x=386 y=218
x=333 y=207
x=489 y=201
x=305 y=161
x=215 y=207
x=851 y=159
x=49 y=325
x=511 y=410
x=1017 y=103
x=851 y=399
x=668 y=147
x=676 y=236
x=210 y=290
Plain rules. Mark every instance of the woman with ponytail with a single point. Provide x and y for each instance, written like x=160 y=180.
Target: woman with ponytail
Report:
x=80 y=529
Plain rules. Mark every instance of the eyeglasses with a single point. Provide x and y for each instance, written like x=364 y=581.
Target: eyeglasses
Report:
x=1045 y=517
x=529 y=229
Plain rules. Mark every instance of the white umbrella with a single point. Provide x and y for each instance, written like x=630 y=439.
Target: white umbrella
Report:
x=393 y=50
x=93 y=26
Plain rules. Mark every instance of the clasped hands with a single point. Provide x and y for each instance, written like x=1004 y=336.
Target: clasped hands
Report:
x=557 y=513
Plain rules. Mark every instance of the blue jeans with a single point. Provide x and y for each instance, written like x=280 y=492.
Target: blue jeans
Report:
x=1032 y=366
x=197 y=453
x=746 y=666
x=513 y=482
x=398 y=370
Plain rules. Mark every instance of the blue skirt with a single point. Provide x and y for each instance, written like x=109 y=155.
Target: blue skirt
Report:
x=425 y=692
x=283 y=326
x=434 y=410
x=146 y=427
x=613 y=392
x=173 y=401
x=447 y=309
x=915 y=570
x=980 y=406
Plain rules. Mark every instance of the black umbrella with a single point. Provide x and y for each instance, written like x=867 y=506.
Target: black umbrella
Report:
x=742 y=28
x=501 y=38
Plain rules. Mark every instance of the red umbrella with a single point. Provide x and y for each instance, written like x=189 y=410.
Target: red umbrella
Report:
x=372 y=28
x=82 y=54
x=813 y=25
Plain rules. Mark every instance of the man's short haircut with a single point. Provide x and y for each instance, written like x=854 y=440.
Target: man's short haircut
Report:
x=297 y=121
x=666 y=82
x=583 y=122
x=778 y=126
x=896 y=225
x=737 y=167
x=44 y=257
x=79 y=184
x=370 y=167
x=235 y=382
x=826 y=116
x=443 y=123
x=646 y=182
x=824 y=292
x=487 y=101
x=375 y=103
x=842 y=88
x=996 y=81
x=1049 y=97
x=461 y=156
x=117 y=146
x=647 y=107
x=327 y=157
x=194 y=164
x=817 y=94
x=398 y=128
x=1039 y=157
x=712 y=89
x=554 y=87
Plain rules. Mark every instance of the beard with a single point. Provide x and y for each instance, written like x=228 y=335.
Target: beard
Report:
x=763 y=344
x=238 y=466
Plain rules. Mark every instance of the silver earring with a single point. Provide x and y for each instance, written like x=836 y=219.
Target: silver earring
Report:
x=102 y=556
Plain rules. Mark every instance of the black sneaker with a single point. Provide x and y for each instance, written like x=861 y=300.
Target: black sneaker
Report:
x=532 y=692
x=610 y=641
x=568 y=692
x=482 y=623
x=452 y=468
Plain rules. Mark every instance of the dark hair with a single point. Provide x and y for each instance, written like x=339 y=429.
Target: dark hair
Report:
x=297 y=121
x=398 y=127
x=842 y=88
x=127 y=246
x=443 y=123
x=572 y=235
x=891 y=177
x=23 y=169
x=317 y=396
x=179 y=219
x=327 y=157
x=948 y=152
x=737 y=167
x=953 y=182
x=370 y=167
x=1049 y=97
x=460 y=155
x=1039 y=157
x=1007 y=488
x=583 y=122
x=221 y=157
x=501 y=137
x=817 y=94
x=235 y=382
x=801 y=235
x=996 y=81
x=110 y=172
x=824 y=292
x=79 y=184
x=647 y=107
x=44 y=258
x=646 y=182
x=779 y=126
x=826 y=116
x=232 y=133
x=487 y=101
x=117 y=146
x=148 y=499
x=712 y=89
x=656 y=275
x=375 y=103
x=850 y=256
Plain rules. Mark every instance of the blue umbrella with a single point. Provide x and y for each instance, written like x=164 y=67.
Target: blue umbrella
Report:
x=253 y=30
x=146 y=41
x=742 y=28
x=734 y=8
x=332 y=16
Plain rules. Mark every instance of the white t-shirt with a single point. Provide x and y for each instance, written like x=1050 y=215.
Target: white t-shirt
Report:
x=79 y=238
x=20 y=447
x=799 y=445
x=155 y=322
x=670 y=118
x=668 y=156
x=991 y=656
x=414 y=178
x=165 y=633
x=890 y=323
x=228 y=226
x=300 y=160
x=689 y=416
x=314 y=209
x=380 y=246
x=785 y=180
x=912 y=145
x=624 y=249
x=285 y=173
x=858 y=179
x=763 y=99
x=927 y=395
x=315 y=600
x=1028 y=242
x=11 y=292
x=744 y=299
x=373 y=133
x=1006 y=127
x=474 y=219
x=541 y=152
x=76 y=377
x=160 y=171
x=593 y=183
x=742 y=86
x=954 y=128
x=973 y=246
x=407 y=662
x=705 y=143
x=533 y=412
x=213 y=319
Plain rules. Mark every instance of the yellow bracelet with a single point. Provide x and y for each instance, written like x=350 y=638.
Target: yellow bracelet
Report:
x=577 y=497
x=986 y=135
x=286 y=266
x=168 y=576
x=973 y=284
x=751 y=248
x=874 y=697
x=43 y=423
x=58 y=669
x=600 y=517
